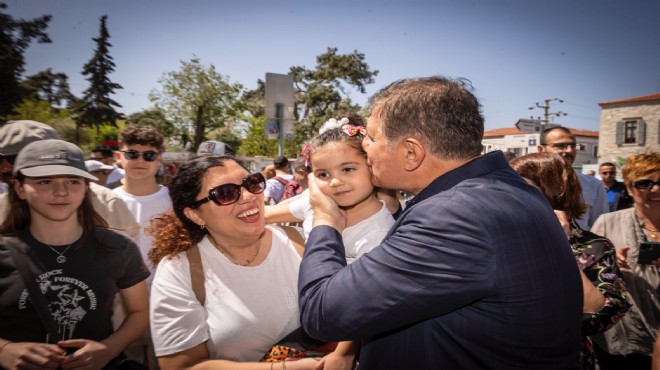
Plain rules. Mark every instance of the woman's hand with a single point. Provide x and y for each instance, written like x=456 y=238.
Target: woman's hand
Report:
x=29 y=355
x=621 y=255
x=335 y=361
x=89 y=355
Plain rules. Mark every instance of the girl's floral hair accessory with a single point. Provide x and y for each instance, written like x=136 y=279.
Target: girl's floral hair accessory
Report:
x=351 y=130
x=305 y=152
x=333 y=123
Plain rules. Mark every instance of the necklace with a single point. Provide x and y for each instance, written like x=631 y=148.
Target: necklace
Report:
x=651 y=231
x=60 y=258
x=229 y=257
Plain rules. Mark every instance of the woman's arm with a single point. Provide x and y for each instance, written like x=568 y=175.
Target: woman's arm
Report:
x=136 y=322
x=197 y=358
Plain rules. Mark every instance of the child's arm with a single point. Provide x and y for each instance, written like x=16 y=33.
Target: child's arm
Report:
x=342 y=358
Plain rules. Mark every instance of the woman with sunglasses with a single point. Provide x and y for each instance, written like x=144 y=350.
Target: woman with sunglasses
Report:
x=629 y=344
x=250 y=272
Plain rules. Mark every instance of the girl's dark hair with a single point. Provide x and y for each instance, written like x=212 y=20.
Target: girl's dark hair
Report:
x=18 y=216
x=337 y=135
x=173 y=232
x=555 y=178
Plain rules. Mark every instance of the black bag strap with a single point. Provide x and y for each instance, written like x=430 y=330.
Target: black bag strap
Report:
x=14 y=245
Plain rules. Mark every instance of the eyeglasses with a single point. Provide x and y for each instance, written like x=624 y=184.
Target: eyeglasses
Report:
x=645 y=184
x=9 y=158
x=133 y=155
x=562 y=146
x=227 y=194
x=608 y=173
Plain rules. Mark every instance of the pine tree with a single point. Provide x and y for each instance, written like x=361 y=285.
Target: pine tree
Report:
x=15 y=37
x=96 y=107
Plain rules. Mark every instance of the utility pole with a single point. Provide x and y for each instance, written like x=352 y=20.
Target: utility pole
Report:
x=546 y=111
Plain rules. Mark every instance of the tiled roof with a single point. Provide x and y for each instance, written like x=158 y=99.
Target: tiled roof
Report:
x=514 y=131
x=637 y=99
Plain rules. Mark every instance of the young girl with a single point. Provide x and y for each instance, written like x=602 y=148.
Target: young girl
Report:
x=78 y=264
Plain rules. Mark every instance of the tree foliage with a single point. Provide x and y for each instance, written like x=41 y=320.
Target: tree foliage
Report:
x=153 y=117
x=15 y=37
x=198 y=100
x=96 y=107
x=255 y=142
x=322 y=91
x=50 y=87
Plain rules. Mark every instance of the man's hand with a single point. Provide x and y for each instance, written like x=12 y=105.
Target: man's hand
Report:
x=326 y=210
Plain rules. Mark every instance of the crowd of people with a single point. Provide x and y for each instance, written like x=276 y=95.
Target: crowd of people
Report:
x=495 y=261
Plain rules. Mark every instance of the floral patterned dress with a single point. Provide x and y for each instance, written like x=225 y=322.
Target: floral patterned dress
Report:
x=595 y=255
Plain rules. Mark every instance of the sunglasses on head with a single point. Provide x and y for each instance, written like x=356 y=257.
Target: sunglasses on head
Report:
x=133 y=155
x=226 y=194
x=645 y=184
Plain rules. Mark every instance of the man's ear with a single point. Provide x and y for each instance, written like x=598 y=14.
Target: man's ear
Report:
x=193 y=216
x=540 y=148
x=414 y=152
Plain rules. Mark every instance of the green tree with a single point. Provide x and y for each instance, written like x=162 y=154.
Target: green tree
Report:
x=322 y=91
x=153 y=117
x=15 y=37
x=51 y=87
x=255 y=142
x=198 y=100
x=96 y=107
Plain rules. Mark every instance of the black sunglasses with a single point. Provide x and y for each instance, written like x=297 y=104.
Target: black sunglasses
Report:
x=133 y=155
x=645 y=184
x=226 y=194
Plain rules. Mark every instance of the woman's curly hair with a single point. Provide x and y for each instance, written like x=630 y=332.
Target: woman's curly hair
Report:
x=172 y=231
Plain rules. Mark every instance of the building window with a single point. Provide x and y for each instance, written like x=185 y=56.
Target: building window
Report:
x=631 y=132
x=595 y=151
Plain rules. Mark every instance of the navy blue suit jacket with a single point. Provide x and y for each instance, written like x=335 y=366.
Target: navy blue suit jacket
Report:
x=475 y=274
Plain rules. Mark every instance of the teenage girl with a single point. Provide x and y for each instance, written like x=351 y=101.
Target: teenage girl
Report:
x=78 y=264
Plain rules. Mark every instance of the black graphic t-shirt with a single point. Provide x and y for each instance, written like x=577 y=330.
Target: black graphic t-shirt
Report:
x=80 y=291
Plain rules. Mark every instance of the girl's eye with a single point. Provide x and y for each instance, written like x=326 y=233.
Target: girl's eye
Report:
x=43 y=182
x=322 y=175
x=349 y=169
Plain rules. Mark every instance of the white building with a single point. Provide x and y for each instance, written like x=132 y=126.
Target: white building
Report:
x=511 y=139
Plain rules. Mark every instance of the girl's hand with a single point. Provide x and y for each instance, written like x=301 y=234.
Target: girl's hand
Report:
x=326 y=210
x=90 y=355
x=29 y=355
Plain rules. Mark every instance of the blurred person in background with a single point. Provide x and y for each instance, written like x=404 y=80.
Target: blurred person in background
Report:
x=617 y=194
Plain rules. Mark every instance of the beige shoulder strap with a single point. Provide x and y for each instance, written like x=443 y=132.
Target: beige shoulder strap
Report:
x=295 y=238
x=197 y=273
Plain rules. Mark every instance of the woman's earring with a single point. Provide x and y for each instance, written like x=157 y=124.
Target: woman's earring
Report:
x=202 y=226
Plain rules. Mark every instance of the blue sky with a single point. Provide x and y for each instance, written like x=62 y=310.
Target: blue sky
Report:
x=515 y=52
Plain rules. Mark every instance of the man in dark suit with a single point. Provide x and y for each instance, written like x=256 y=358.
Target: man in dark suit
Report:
x=476 y=273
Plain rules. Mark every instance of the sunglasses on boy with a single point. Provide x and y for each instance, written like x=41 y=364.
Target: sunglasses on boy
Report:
x=227 y=194
x=645 y=184
x=133 y=155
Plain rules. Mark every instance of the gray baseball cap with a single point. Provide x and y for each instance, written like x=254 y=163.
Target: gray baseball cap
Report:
x=51 y=158
x=14 y=135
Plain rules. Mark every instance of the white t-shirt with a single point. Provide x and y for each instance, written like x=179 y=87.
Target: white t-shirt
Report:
x=363 y=237
x=275 y=189
x=144 y=208
x=358 y=239
x=247 y=309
